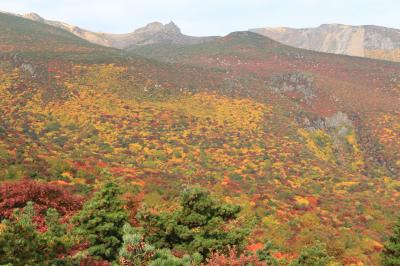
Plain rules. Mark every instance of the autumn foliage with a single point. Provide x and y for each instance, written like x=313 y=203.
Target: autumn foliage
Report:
x=234 y=259
x=14 y=195
x=307 y=144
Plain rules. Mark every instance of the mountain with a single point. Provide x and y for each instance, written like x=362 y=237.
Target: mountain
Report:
x=152 y=33
x=365 y=41
x=18 y=34
x=305 y=142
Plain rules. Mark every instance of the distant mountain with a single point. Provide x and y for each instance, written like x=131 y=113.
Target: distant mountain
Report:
x=365 y=41
x=19 y=34
x=153 y=33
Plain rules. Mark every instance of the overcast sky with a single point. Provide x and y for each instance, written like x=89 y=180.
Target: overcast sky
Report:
x=209 y=17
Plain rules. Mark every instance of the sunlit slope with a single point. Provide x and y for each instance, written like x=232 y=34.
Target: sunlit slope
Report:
x=253 y=153
x=321 y=85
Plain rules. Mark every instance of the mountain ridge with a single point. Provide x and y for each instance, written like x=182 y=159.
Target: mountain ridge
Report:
x=154 y=32
x=369 y=41
x=364 y=40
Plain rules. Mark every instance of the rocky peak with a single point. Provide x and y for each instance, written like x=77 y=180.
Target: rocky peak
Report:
x=34 y=16
x=172 y=28
x=156 y=27
x=150 y=28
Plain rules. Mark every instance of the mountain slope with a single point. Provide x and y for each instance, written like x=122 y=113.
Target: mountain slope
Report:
x=321 y=84
x=365 y=41
x=305 y=142
x=152 y=33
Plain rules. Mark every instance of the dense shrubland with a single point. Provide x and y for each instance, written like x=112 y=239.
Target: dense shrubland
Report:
x=199 y=231
x=299 y=150
x=295 y=185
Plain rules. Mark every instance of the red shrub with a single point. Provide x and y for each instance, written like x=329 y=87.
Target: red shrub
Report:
x=44 y=196
x=132 y=205
x=232 y=259
x=92 y=262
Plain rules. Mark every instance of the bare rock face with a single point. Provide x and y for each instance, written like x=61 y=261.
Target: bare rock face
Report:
x=295 y=82
x=153 y=33
x=337 y=120
x=338 y=124
x=364 y=41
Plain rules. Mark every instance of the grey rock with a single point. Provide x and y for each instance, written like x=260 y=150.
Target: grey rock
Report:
x=28 y=68
x=337 y=120
x=294 y=82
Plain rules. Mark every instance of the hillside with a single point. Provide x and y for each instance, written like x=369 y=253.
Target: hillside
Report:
x=22 y=35
x=153 y=33
x=364 y=41
x=319 y=84
x=306 y=143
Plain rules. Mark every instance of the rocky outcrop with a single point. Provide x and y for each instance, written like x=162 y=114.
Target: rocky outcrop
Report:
x=335 y=123
x=29 y=68
x=295 y=82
